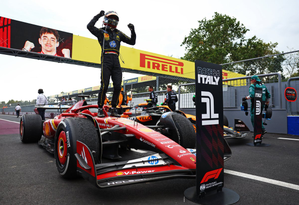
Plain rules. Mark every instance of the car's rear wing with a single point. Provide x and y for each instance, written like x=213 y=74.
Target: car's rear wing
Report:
x=53 y=106
x=57 y=107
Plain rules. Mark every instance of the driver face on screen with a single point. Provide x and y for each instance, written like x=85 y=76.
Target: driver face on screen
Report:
x=48 y=43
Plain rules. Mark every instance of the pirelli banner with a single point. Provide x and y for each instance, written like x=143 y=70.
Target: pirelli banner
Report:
x=39 y=39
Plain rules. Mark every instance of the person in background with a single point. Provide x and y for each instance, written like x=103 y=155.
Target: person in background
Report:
x=123 y=98
x=107 y=101
x=18 y=110
x=153 y=97
x=171 y=98
x=40 y=101
x=63 y=100
x=256 y=82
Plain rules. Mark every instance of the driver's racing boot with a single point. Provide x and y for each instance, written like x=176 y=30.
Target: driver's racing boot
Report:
x=113 y=112
x=100 y=112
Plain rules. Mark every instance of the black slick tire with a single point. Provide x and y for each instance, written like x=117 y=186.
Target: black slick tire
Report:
x=31 y=128
x=65 y=144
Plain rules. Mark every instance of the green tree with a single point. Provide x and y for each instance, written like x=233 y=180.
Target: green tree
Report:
x=291 y=64
x=222 y=40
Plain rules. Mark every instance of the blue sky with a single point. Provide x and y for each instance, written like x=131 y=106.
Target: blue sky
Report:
x=160 y=26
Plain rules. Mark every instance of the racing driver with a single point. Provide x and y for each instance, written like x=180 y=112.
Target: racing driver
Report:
x=109 y=38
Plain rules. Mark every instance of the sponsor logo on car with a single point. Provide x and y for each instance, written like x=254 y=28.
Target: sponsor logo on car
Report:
x=123 y=182
x=172 y=146
x=144 y=118
x=134 y=172
x=167 y=142
x=153 y=160
x=185 y=154
x=147 y=142
x=165 y=114
x=83 y=155
x=145 y=130
x=68 y=139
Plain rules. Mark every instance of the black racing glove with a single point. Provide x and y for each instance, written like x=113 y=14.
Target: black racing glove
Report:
x=102 y=13
x=131 y=26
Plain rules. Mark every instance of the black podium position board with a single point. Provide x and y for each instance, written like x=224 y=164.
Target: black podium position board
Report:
x=258 y=116
x=210 y=143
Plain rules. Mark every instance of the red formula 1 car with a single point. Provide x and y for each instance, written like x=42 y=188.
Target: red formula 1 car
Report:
x=112 y=151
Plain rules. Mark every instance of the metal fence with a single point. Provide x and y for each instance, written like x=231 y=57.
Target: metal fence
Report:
x=234 y=89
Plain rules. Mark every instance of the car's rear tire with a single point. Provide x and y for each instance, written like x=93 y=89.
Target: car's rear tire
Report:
x=65 y=147
x=31 y=128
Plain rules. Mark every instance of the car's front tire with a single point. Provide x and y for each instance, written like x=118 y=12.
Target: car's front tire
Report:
x=65 y=147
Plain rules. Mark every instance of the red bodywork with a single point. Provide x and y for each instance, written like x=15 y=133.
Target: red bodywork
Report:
x=185 y=161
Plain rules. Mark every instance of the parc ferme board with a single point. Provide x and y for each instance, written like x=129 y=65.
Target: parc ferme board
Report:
x=210 y=142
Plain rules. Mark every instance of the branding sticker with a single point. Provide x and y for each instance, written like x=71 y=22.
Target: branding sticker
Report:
x=112 y=44
x=147 y=142
x=161 y=64
x=167 y=142
x=106 y=36
x=144 y=118
x=172 y=146
x=165 y=114
x=145 y=130
x=83 y=155
x=134 y=172
x=153 y=160
x=68 y=139
x=214 y=174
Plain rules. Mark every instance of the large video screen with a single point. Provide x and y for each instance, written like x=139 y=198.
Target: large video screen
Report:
x=32 y=38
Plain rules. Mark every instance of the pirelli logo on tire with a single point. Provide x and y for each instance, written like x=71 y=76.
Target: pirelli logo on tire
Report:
x=164 y=65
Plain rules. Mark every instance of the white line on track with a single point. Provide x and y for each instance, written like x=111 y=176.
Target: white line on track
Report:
x=282 y=138
x=262 y=179
x=10 y=121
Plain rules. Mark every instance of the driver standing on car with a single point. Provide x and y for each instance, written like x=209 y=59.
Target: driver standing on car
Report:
x=109 y=38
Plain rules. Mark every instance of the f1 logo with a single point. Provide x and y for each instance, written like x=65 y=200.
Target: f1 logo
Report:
x=210 y=117
x=211 y=175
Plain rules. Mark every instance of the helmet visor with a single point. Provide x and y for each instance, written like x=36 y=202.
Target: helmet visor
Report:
x=110 y=22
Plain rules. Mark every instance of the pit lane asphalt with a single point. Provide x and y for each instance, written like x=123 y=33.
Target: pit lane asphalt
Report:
x=29 y=176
